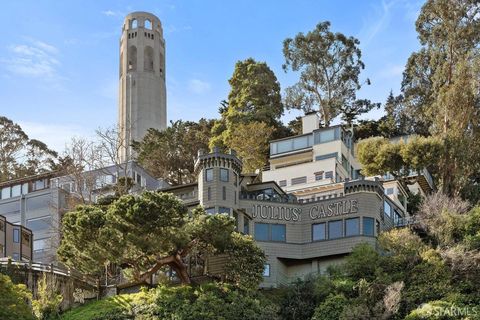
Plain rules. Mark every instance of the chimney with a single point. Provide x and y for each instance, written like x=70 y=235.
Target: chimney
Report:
x=310 y=122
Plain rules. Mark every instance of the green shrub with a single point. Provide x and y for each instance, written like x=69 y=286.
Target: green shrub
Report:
x=331 y=308
x=14 y=300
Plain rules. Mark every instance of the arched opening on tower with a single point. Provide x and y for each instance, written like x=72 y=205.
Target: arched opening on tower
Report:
x=148 y=59
x=134 y=24
x=132 y=58
x=148 y=24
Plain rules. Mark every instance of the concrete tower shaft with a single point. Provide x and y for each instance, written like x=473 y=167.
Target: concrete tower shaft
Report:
x=142 y=88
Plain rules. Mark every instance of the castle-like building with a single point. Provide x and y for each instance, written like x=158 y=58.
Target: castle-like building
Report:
x=306 y=210
x=309 y=208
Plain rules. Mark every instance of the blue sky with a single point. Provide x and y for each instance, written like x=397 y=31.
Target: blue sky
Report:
x=59 y=59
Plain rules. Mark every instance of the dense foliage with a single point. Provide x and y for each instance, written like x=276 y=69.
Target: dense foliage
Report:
x=170 y=154
x=251 y=116
x=440 y=96
x=21 y=156
x=14 y=300
x=210 y=301
x=149 y=232
x=434 y=276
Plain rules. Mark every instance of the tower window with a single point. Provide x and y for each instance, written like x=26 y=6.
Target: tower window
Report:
x=209 y=174
x=132 y=58
x=148 y=59
x=148 y=24
x=223 y=175
x=134 y=24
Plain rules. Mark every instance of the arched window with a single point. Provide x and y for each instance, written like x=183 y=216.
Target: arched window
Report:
x=148 y=59
x=132 y=58
x=134 y=24
x=148 y=24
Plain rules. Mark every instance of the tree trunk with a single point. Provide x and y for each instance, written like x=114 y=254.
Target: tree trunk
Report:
x=181 y=269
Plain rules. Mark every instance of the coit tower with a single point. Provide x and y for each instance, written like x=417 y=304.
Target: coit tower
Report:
x=142 y=90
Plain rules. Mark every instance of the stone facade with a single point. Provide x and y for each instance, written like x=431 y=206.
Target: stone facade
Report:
x=142 y=89
x=293 y=248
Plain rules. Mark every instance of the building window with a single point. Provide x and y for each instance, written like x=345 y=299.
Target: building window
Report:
x=16 y=256
x=377 y=224
x=261 y=231
x=40 y=245
x=335 y=229
x=25 y=188
x=224 y=210
x=326 y=156
x=6 y=193
x=246 y=225
x=270 y=232
x=37 y=224
x=387 y=209
x=352 y=227
x=397 y=217
x=266 y=270
x=39 y=184
x=368 y=226
x=325 y=136
x=318 y=232
x=299 y=180
x=16 y=235
x=389 y=191
x=224 y=193
x=278 y=232
x=329 y=175
x=26 y=238
x=318 y=175
x=2 y=226
x=282 y=183
x=16 y=190
x=210 y=210
x=209 y=175
x=223 y=175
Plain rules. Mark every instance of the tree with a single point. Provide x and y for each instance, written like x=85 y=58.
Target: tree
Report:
x=21 y=156
x=352 y=109
x=329 y=65
x=170 y=154
x=14 y=300
x=254 y=103
x=250 y=141
x=379 y=156
x=254 y=94
x=441 y=87
x=97 y=236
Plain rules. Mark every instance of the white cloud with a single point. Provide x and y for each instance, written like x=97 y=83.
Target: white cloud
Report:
x=32 y=59
x=111 y=13
x=376 y=23
x=54 y=135
x=198 y=86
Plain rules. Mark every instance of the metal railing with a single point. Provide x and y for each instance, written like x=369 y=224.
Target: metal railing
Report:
x=404 y=222
x=50 y=268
